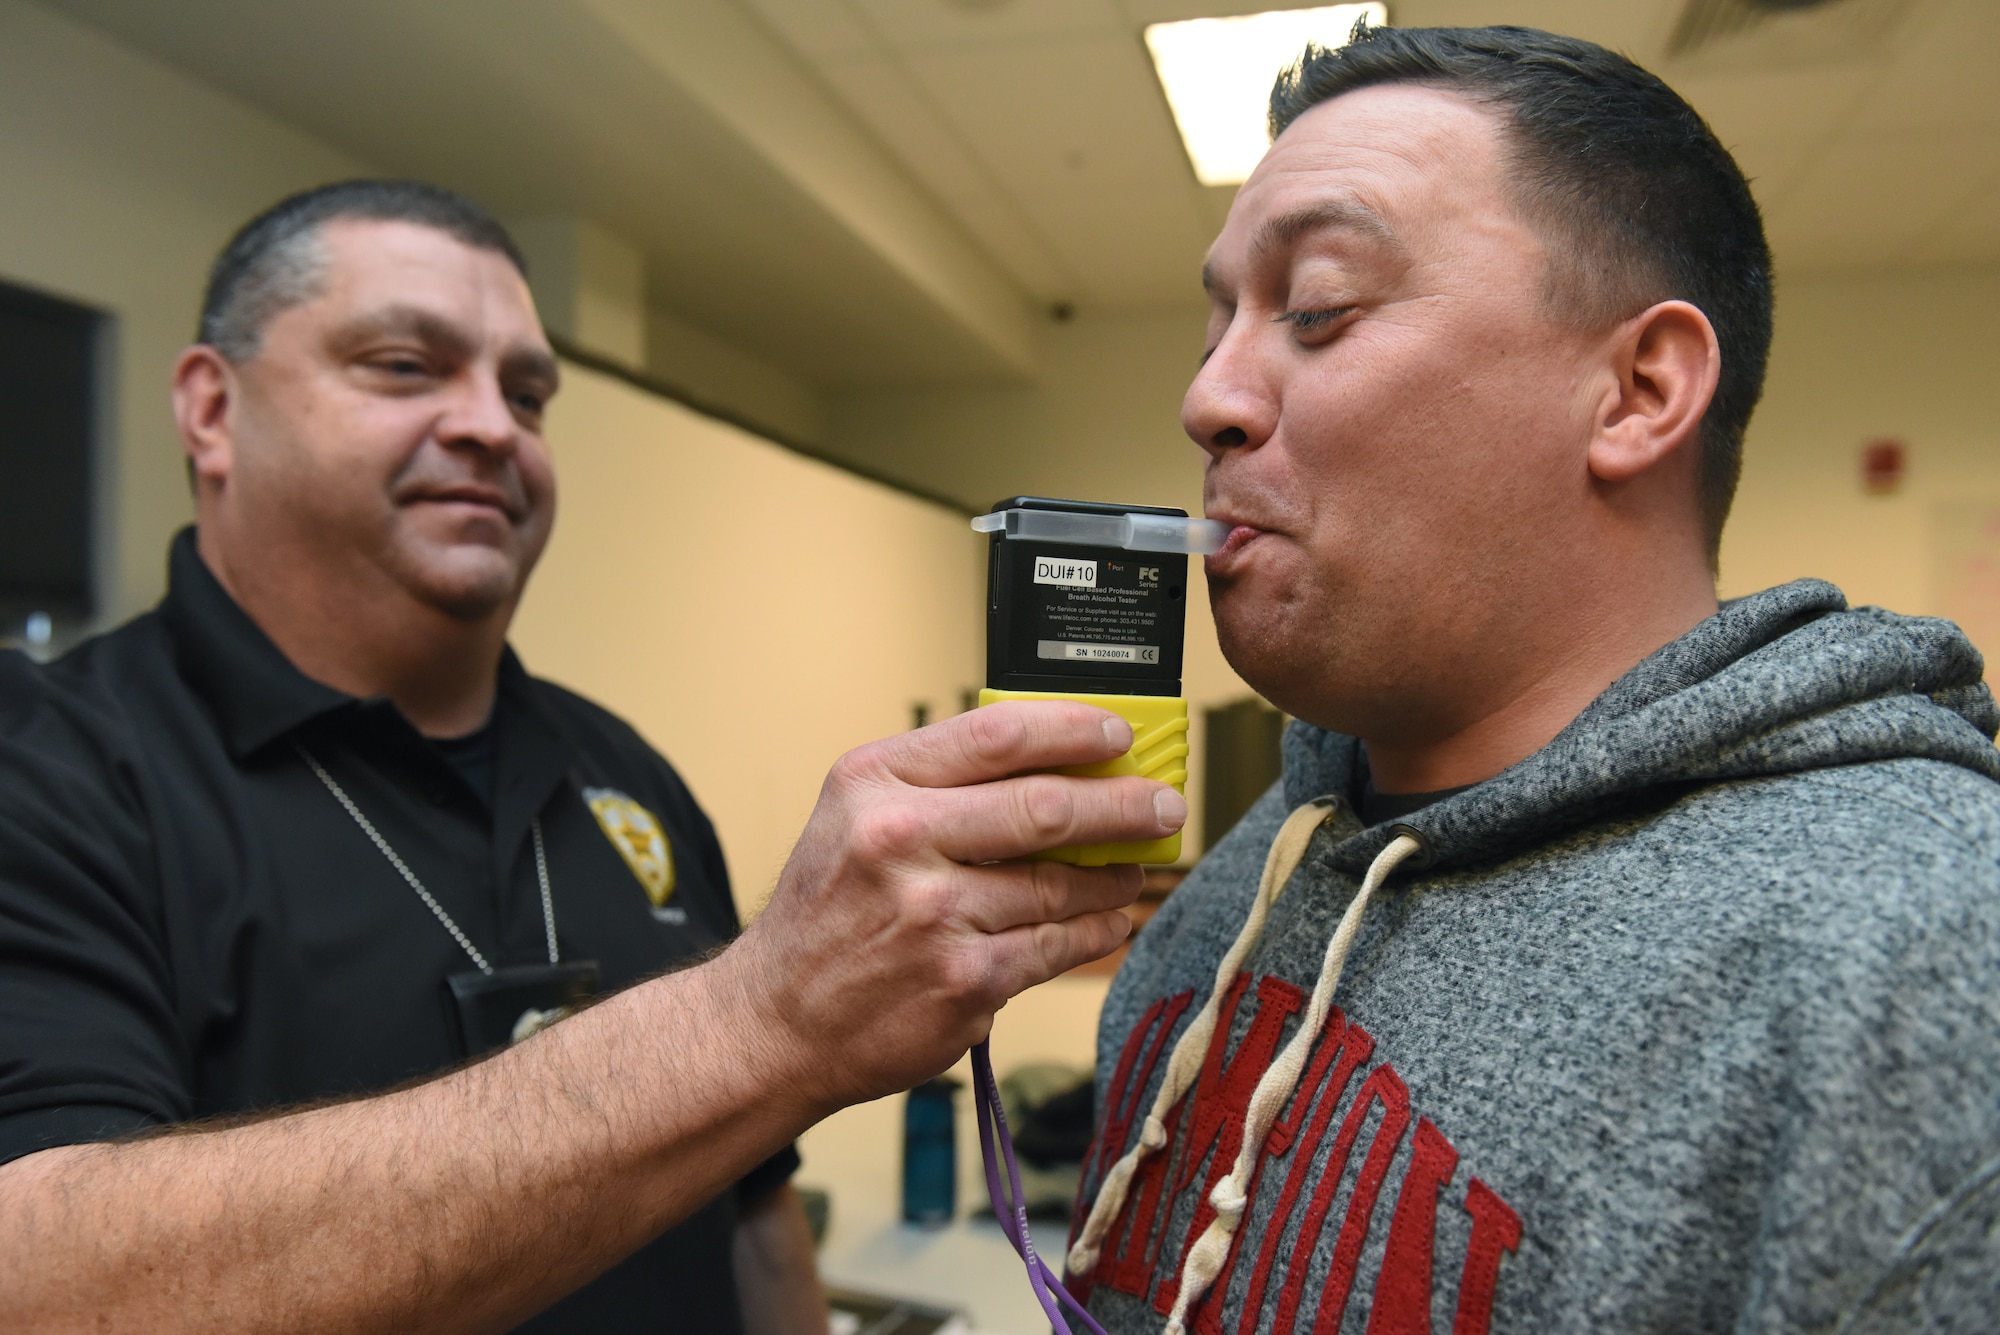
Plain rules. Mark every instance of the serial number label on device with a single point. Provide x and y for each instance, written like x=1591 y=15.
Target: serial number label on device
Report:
x=1070 y=650
x=1065 y=574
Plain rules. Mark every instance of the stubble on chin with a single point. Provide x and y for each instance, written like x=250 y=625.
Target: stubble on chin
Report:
x=465 y=581
x=475 y=602
x=1270 y=639
x=1251 y=632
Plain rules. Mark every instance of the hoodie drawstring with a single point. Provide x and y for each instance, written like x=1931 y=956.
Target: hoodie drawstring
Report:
x=1287 y=851
x=1273 y=1090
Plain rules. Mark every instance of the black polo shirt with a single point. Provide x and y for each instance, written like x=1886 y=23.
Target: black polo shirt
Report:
x=192 y=926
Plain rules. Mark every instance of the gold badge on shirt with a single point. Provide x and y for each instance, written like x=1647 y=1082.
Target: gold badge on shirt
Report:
x=637 y=835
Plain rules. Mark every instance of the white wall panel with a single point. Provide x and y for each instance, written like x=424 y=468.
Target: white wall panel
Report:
x=753 y=612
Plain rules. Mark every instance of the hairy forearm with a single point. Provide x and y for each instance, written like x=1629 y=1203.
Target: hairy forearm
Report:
x=463 y=1204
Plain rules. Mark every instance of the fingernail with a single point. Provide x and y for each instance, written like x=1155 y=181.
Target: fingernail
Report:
x=1118 y=733
x=1171 y=808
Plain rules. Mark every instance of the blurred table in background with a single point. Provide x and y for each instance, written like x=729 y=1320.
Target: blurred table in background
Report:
x=968 y=1266
x=856 y=1156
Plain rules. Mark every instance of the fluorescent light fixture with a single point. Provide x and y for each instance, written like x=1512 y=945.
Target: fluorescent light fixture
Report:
x=1218 y=73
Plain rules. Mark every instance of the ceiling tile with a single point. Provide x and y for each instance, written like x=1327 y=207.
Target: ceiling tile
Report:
x=1871 y=201
x=914 y=24
x=1943 y=75
x=816 y=29
x=1779 y=104
x=1076 y=115
x=910 y=125
x=1775 y=167
x=1132 y=251
x=1861 y=33
x=1138 y=13
x=1077 y=130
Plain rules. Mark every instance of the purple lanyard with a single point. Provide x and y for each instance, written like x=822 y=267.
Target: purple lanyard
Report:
x=995 y=1145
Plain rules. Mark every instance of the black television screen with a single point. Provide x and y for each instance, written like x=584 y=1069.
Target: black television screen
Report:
x=48 y=410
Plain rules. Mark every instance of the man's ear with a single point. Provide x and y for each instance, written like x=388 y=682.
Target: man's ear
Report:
x=1665 y=362
x=204 y=391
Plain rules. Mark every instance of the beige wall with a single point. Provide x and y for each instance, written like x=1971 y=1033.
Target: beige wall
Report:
x=1912 y=356
x=732 y=381
x=752 y=612
x=1101 y=421
x=122 y=179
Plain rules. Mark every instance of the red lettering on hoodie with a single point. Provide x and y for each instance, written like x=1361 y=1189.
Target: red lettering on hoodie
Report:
x=1220 y=1100
x=1495 y=1229
x=1140 y=1225
x=1352 y=1045
x=1121 y=1102
x=1402 y=1304
x=1122 y=1096
x=1382 y=1086
x=1355 y=1048
x=1204 y=1127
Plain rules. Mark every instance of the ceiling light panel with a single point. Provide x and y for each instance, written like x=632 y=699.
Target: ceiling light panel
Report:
x=1217 y=74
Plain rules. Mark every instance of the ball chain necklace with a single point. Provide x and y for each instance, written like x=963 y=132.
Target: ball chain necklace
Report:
x=485 y=999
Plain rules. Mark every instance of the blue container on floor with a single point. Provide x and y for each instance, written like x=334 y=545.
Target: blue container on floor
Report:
x=930 y=1153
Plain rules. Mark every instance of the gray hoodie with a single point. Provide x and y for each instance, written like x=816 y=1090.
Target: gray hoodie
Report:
x=1688 y=1022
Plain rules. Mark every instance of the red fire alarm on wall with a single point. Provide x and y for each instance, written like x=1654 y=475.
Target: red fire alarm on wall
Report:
x=1883 y=463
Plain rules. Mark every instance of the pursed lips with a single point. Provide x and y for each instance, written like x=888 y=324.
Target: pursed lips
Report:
x=1241 y=534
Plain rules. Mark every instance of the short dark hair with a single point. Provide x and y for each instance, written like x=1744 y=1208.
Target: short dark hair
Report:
x=1644 y=203
x=274 y=260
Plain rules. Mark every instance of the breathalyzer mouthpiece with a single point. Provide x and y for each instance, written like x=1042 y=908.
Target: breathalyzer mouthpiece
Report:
x=1134 y=532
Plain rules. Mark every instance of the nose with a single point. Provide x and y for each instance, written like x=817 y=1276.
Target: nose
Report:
x=1231 y=404
x=479 y=416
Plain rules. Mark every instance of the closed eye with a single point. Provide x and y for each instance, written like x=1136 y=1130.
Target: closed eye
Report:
x=398 y=364
x=1308 y=321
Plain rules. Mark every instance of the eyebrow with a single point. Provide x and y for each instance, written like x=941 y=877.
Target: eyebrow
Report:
x=1344 y=214
x=430 y=328
x=426 y=326
x=534 y=363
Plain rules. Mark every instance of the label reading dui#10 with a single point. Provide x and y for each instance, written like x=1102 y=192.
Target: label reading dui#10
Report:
x=1100 y=611
x=1065 y=574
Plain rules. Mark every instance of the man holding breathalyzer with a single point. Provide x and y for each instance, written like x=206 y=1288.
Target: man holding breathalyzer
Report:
x=308 y=832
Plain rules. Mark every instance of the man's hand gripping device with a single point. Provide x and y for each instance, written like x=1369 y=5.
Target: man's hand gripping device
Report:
x=1085 y=602
x=1089 y=602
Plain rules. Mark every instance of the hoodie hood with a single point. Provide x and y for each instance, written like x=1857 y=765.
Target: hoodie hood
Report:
x=1785 y=680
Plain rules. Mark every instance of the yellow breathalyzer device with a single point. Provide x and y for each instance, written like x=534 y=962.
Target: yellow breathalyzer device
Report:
x=1087 y=601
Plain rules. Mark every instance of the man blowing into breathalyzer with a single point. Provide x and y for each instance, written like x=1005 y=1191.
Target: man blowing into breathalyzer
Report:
x=308 y=832
x=1606 y=959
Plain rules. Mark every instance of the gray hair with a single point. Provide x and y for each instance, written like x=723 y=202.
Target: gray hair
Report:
x=276 y=260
